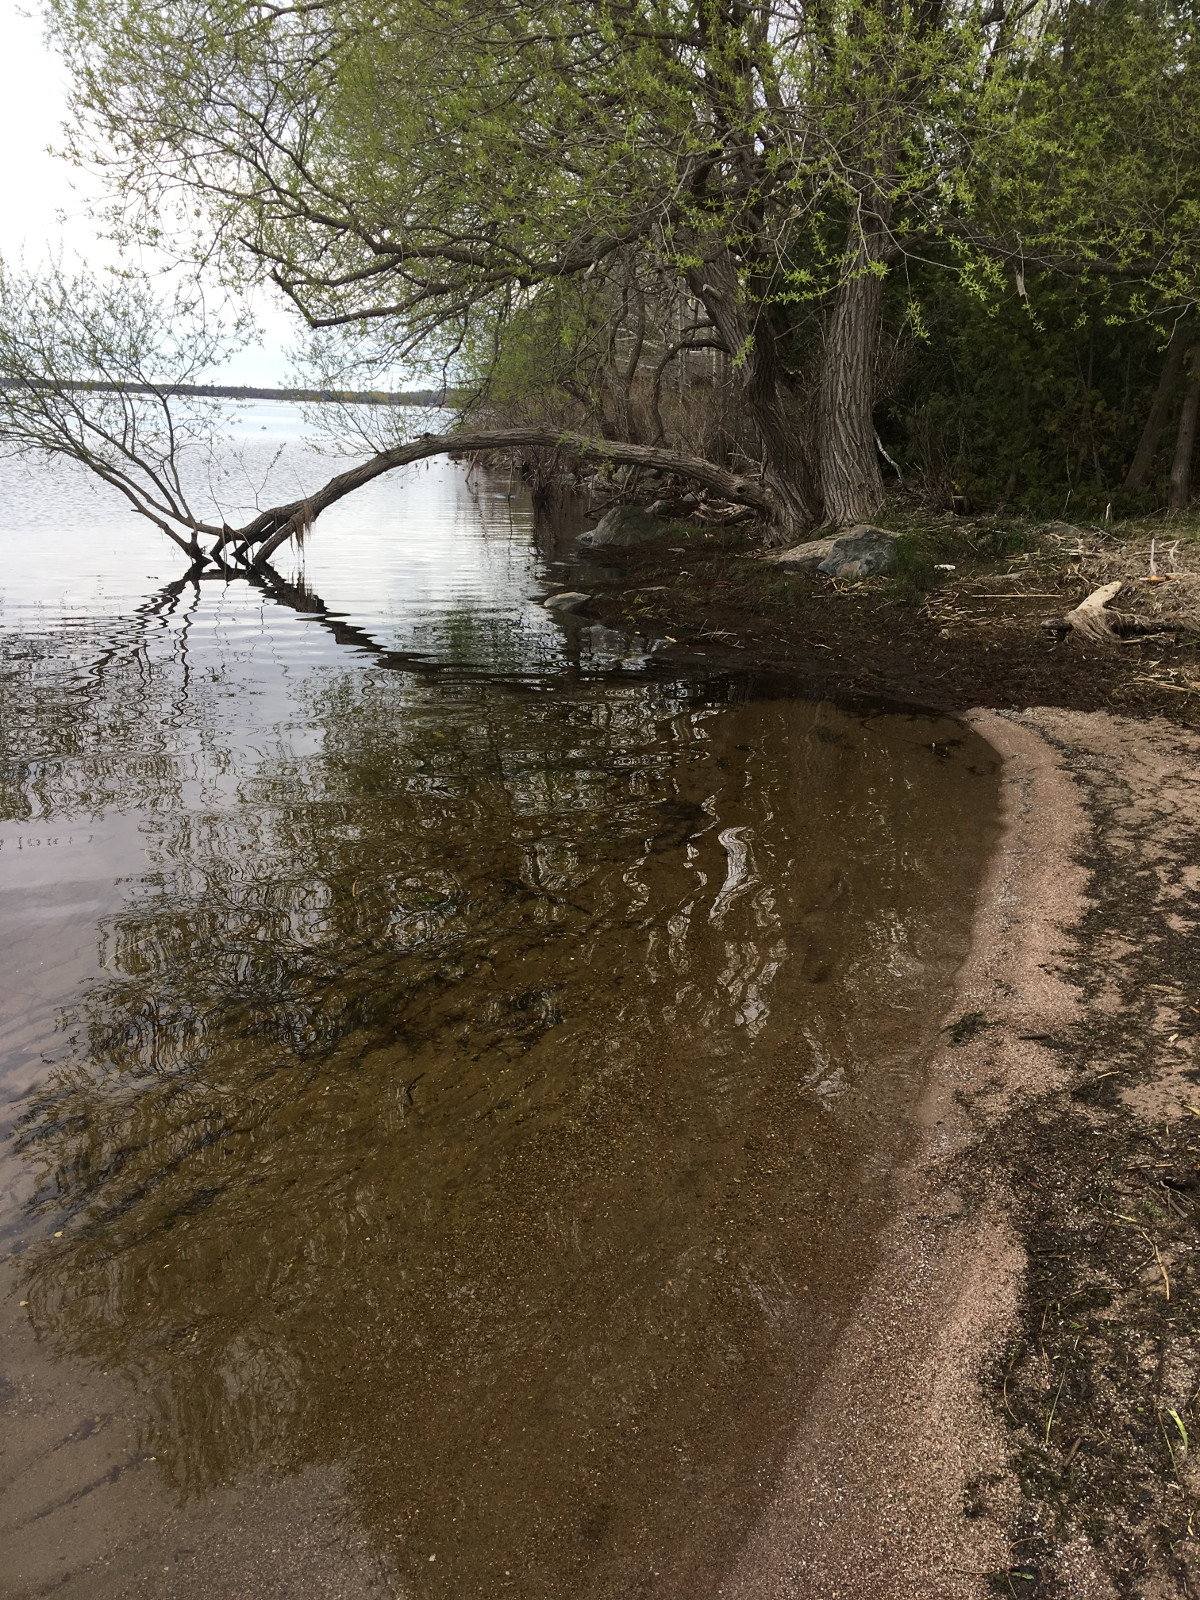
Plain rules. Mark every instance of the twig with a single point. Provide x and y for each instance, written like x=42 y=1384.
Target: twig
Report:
x=1159 y=1259
x=1054 y=1407
x=1167 y=1442
x=1004 y=1391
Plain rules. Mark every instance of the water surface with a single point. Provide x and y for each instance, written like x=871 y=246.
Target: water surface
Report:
x=453 y=1063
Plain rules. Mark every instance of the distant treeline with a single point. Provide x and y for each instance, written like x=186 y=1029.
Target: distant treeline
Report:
x=230 y=391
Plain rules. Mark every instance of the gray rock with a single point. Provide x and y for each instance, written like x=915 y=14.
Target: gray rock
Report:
x=858 y=553
x=624 y=525
x=803 y=557
x=861 y=553
x=568 y=600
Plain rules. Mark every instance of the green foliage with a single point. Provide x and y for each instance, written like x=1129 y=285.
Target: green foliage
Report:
x=555 y=345
x=1038 y=407
x=551 y=202
x=817 y=144
x=926 y=548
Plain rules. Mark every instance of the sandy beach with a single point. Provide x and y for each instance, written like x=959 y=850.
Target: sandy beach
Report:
x=934 y=1460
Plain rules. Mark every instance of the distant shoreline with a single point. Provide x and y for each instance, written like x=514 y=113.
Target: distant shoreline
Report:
x=233 y=391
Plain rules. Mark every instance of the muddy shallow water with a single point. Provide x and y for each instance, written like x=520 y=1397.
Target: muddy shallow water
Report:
x=453 y=1065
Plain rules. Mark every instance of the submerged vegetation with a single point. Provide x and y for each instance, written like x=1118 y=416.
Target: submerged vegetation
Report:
x=795 y=249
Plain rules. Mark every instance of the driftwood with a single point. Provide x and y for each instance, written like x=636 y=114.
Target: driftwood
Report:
x=1093 y=620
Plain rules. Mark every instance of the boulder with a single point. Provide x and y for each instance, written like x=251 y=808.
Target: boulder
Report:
x=857 y=553
x=568 y=600
x=624 y=525
x=803 y=557
x=861 y=553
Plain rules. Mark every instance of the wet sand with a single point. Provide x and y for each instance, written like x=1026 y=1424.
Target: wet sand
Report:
x=872 y=1501
x=989 y=1418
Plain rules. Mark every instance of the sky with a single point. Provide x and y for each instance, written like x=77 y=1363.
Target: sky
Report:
x=44 y=202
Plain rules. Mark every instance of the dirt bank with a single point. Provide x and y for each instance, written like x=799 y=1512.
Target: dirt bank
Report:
x=1097 y=1380
x=950 y=640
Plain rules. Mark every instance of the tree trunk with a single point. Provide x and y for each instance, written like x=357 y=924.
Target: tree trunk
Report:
x=787 y=474
x=747 y=333
x=1143 y=458
x=851 y=482
x=1180 y=495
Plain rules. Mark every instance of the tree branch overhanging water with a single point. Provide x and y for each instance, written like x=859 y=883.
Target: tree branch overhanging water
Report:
x=275 y=527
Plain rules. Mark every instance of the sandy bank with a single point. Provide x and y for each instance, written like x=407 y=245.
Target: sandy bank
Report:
x=974 y=1433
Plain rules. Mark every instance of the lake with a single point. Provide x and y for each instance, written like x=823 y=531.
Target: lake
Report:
x=452 y=1058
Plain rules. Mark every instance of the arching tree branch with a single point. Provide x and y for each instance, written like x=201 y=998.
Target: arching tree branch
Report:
x=275 y=527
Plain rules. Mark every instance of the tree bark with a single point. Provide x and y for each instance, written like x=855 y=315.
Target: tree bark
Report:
x=748 y=334
x=851 y=482
x=1180 y=494
x=1143 y=458
x=787 y=473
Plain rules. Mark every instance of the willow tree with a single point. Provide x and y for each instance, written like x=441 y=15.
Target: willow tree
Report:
x=412 y=167
x=409 y=172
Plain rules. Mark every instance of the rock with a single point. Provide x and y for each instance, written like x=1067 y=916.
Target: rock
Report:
x=860 y=553
x=803 y=557
x=568 y=600
x=624 y=525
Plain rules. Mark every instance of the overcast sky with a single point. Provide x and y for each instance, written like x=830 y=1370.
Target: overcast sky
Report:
x=43 y=201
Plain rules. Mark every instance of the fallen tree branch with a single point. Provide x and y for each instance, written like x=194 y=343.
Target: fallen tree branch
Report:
x=103 y=372
x=1093 y=620
x=272 y=528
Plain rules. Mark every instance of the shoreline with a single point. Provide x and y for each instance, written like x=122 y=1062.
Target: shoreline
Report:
x=976 y=1431
x=871 y=1500
x=973 y=640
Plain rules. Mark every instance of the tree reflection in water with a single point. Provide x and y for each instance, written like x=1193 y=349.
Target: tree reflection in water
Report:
x=489 y=1086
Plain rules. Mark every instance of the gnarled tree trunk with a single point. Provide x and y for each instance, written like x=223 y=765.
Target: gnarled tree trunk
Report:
x=851 y=482
x=746 y=329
